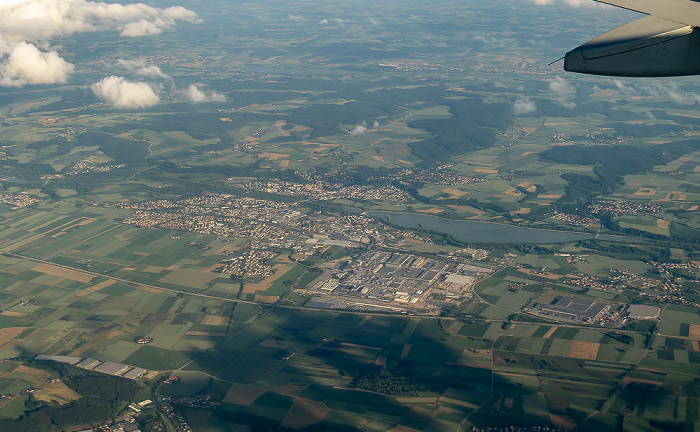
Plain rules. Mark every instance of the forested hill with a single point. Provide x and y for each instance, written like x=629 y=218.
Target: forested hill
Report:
x=611 y=164
x=474 y=125
x=627 y=159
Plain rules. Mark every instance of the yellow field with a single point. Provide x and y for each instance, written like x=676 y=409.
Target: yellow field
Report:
x=273 y=156
x=13 y=313
x=203 y=333
x=583 y=350
x=562 y=422
x=675 y=196
x=628 y=380
x=528 y=187
x=244 y=394
x=81 y=221
x=694 y=331
x=95 y=288
x=663 y=224
x=546 y=276
x=63 y=272
x=215 y=320
x=291 y=388
x=279 y=125
x=153 y=269
x=513 y=192
x=274 y=343
x=406 y=349
x=304 y=413
x=645 y=192
x=150 y=290
x=402 y=429
x=560 y=123
x=417 y=399
x=266 y=299
x=7 y=334
x=458 y=402
x=550 y=332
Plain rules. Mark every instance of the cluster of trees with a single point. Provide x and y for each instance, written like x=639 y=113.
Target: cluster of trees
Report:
x=29 y=172
x=620 y=337
x=383 y=381
x=625 y=251
x=102 y=398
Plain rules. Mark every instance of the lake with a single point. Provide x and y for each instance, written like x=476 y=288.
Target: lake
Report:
x=479 y=232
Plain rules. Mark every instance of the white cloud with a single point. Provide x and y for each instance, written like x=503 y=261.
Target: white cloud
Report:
x=360 y=128
x=487 y=40
x=296 y=18
x=363 y=127
x=141 y=67
x=671 y=91
x=25 y=64
x=524 y=106
x=44 y=19
x=658 y=90
x=141 y=28
x=195 y=95
x=564 y=92
x=24 y=24
x=329 y=21
x=124 y=94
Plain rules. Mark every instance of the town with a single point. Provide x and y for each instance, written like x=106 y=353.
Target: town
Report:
x=327 y=191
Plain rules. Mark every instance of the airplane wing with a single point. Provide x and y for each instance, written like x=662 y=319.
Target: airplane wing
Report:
x=681 y=11
x=665 y=43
